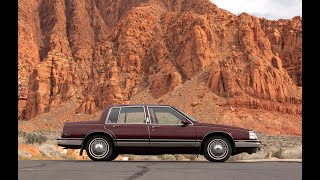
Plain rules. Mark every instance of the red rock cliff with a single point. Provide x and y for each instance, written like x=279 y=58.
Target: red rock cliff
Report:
x=101 y=52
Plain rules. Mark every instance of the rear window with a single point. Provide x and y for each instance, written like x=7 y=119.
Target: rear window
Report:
x=113 y=116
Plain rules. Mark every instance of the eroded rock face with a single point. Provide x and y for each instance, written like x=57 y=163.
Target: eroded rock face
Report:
x=28 y=49
x=102 y=52
x=286 y=40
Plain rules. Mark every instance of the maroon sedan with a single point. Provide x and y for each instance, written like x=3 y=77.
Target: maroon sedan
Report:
x=154 y=130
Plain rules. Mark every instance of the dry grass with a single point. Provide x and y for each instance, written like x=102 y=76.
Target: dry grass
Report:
x=49 y=150
x=38 y=145
x=292 y=153
x=281 y=147
x=31 y=138
x=24 y=154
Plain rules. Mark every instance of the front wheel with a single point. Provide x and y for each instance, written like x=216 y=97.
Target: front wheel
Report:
x=217 y=149
x=99 y=148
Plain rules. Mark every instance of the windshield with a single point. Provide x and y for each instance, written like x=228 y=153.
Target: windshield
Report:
x=184 y=114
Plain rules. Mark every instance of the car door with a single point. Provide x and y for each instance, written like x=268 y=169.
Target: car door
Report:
x=129 y=126
x=166 y=129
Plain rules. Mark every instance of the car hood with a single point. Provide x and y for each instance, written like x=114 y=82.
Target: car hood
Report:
x=222 y=126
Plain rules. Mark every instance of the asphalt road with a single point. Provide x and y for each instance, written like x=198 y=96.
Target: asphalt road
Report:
x=154 y=170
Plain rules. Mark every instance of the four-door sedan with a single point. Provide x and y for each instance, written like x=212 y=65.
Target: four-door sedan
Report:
x=155 y=130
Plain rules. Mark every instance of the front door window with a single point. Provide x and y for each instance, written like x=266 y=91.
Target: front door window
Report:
x=164 y=115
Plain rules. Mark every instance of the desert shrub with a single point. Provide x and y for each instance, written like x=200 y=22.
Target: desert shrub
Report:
x=167 y=157
x=22 y=134
x=49 y=150
x=292 y=153
x=178 y=157
x=23 y=154
x=277 y=153
x=32 y=138
x=190 y=157
x=21 y=138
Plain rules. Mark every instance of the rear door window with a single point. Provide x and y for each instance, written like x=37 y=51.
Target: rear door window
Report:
x=132 y=115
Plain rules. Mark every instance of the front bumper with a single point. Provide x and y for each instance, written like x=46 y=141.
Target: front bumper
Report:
x=248 y=144
x=69 y=142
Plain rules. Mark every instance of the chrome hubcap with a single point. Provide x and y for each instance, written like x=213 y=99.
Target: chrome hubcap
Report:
x=98 y=148
x=218 y=149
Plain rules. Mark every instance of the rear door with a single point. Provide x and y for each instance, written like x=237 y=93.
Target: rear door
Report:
x=166 y=129
x=129 y=126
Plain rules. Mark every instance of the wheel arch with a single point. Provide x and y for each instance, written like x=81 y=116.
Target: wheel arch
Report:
x=217 y=133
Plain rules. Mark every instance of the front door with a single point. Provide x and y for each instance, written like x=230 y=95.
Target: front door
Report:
x=167 y=131
x=129 y=126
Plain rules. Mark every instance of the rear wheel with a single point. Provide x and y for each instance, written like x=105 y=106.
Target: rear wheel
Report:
x=217 y=149
x=99 y=148
x=113 y=157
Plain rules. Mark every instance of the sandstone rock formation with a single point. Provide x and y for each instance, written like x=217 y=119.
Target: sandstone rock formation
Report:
x=286 y=41
x=102 y=52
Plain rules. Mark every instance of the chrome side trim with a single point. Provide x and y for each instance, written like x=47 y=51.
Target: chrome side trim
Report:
x=158 y=140
x=132 y=143
x=172 y=144
x=157 y=143
x=248 y=144
x=117 y=140
x=198 y=143
x=69 y=141
x=172 y=140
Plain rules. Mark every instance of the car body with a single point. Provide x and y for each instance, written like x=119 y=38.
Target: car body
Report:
x=148 y=129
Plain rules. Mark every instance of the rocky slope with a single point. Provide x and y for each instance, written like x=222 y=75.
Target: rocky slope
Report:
x=286 y=41
x=102 y=52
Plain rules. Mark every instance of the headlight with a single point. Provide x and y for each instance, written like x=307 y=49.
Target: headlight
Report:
x=252 y=135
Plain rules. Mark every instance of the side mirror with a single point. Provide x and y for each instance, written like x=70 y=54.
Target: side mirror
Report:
x=185 y=122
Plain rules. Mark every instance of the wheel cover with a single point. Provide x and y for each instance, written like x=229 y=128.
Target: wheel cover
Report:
x=98 y=148
x=218 y=149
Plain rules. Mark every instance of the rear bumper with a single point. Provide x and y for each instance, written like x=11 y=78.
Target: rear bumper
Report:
x=70 y=142
x=248 y=144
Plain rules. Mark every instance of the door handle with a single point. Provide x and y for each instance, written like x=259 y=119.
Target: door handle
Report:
x=116 y=125
x=155 y=126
